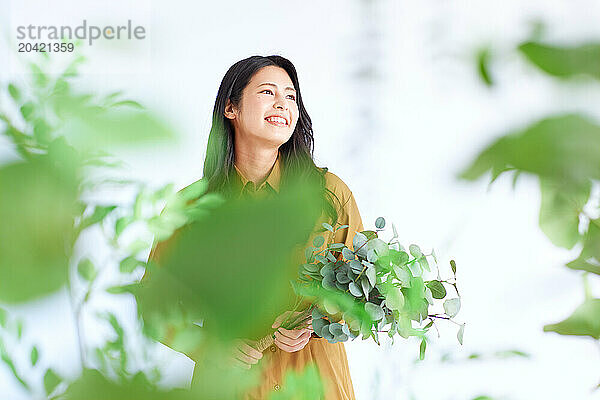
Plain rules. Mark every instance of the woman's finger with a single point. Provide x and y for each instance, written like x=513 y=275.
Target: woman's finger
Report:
x=245 y=358
x=293 y=341
x=250 y=351
x=292 y=333
x=292 y=348
x=279 y=320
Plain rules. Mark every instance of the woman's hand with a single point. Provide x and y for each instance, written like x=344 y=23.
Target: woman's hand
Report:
x=294 y=339
x=244 y=355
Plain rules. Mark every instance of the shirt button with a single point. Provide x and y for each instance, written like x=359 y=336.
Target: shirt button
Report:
x=276 y=387
x=273 y=348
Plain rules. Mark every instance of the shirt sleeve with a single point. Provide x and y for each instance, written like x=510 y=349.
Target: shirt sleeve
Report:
x=350 y=216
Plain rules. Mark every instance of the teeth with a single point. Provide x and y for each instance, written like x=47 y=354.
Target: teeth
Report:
x=277 y=119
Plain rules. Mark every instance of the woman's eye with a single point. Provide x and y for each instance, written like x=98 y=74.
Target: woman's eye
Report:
x=291 y=96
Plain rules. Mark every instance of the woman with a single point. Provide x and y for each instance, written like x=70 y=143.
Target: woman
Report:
x=261 y=137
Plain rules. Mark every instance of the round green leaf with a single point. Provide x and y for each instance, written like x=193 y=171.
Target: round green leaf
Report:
x=356 y=266
x=380 y=223
x=354 y=289
x=394 y=298
x=452 y=307
x=453 y=266
x=318 y=325
x=342 y=277
x=359 y=240
x=375 y=312
x=318 y=241
x=371 y=275
x=348 y=255
x=438 y=290
x=424 y=263
x=336 y=329
x=415 y=250
x=316 y=314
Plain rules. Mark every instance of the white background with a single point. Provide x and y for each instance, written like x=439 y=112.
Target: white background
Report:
x=397 y=139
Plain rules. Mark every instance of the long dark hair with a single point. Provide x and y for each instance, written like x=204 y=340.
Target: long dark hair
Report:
x=296 y=154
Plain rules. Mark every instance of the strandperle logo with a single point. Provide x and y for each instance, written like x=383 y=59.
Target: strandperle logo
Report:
x=83 y=31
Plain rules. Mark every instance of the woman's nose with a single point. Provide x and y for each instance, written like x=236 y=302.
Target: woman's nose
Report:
x=280 y=103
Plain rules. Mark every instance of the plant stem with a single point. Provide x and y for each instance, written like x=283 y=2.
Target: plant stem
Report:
x=77 y=314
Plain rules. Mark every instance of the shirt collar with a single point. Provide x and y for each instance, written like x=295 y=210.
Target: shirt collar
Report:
x=273 y=179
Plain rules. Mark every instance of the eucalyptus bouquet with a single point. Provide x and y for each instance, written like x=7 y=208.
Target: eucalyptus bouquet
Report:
x=375 y=287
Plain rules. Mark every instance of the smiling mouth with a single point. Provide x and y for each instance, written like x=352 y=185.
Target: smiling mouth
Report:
x=277 y=121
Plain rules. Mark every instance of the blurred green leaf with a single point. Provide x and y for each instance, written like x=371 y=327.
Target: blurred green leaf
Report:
x=86 y=270
x=559 y=211
x=51 y=381
x=511 y=353
x=34 y=356
x=415 y=304
x=483 y=66
x=424 y=263
x=19 y=329
x=89 y=126
x=584 y=321
x=5 y=357
x=99 y=213
x=589 y=257
x=41 y=131
x=27 y=110
x=129 y=264
x=422 y=348
x=199 y=273
x=591 y=244
x=37 y=204
x=123 y=289
x=129 y=103
x=305 y=384
x=564 y=61
x=92 y=385
x=563 y=148
x=318 y=241
x=14 y=92
x=375 y=312
x=394 y=299
x=122 y=223
x=582 y=265
x=40 y=79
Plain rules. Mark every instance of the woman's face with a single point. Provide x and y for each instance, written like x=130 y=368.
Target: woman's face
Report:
x=268 y=112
